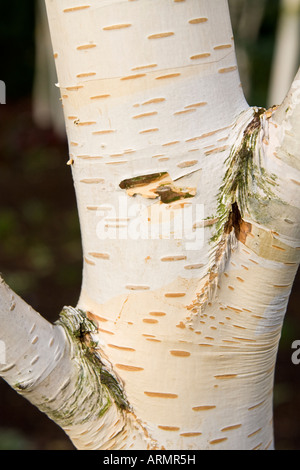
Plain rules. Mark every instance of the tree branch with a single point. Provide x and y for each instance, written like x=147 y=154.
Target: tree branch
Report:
x=287 y=117
x=56 y=368
x=33 y=347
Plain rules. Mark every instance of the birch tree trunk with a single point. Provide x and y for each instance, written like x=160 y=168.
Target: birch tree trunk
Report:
x=189 y=209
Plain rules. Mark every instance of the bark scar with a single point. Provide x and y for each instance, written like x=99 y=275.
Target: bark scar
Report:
x=157 y=185
x=235 y=222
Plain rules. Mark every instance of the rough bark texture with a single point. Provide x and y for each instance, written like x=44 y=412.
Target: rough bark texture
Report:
x=189 y=208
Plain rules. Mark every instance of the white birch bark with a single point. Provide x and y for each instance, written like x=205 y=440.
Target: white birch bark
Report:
x=188 y=315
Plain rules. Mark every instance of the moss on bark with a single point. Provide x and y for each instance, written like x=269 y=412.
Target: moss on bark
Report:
x=244 y=177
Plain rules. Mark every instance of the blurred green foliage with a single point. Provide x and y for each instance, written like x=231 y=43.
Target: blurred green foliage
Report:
x=261 y=55
x=11 y=439
x=259 y=51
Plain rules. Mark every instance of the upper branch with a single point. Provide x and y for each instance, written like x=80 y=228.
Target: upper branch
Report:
x=287 y=116
x=33 y=347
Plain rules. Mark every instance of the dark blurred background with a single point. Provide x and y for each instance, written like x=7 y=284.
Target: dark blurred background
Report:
x=40 y=248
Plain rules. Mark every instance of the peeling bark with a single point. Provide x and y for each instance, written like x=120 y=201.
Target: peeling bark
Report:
x=157 y=185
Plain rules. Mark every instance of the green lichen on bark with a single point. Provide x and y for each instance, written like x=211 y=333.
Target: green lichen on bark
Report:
x=244 y=177
x=90 y=388
x=80 y=328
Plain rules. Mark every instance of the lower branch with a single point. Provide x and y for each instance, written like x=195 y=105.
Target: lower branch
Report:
x=58 y=369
